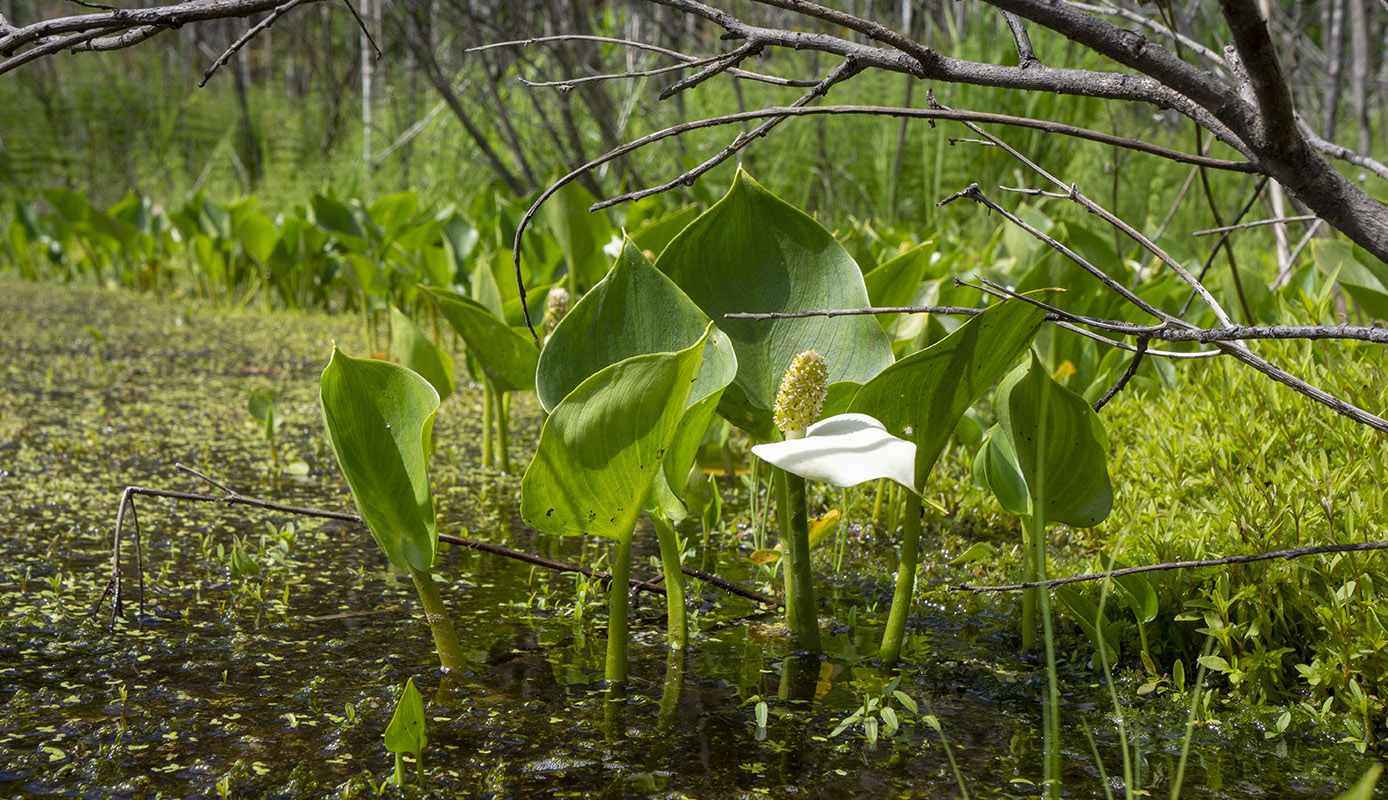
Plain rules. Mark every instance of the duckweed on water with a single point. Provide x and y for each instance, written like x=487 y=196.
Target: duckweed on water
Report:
x=279 y=680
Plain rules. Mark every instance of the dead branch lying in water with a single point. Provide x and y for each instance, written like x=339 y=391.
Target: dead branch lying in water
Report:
x=115 y=590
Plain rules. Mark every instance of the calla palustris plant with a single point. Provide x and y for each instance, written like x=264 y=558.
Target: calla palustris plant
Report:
x=921 y=398
x=640 y=311
x=1046 y=461
x=752 y=251
x=380 y=418
x=603 y=449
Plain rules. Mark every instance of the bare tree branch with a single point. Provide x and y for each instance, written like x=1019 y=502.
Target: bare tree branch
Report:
x=107 y=27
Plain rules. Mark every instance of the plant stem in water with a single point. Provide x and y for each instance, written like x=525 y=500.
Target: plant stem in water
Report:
x=616 y=671
x=488 y=458
x=801 y=616
x=675 y=617
x=503 y=431
x=1029 y=596
x=895 y=632
x=445 y=638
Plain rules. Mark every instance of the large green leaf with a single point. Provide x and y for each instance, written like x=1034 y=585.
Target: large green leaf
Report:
x=1071 y=473
x=633 y=311
x=604 y=444
x=379 y=417
x=416 y=352
x=753 y=252
x=506 y=355
x=922 y=396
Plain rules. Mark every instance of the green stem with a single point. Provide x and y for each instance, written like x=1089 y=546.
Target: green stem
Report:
x=1029 y=596
x=801 y=616
x=877 y=501
x=487 y=406
x=503 y=430
x=676 y=620
x=445 y=638
x=670 y=693
x=895 y=632
x=616 y=671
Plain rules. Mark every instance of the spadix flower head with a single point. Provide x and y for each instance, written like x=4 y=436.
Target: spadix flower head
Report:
x=844 y=451
x=802 y=393
x=557 y=304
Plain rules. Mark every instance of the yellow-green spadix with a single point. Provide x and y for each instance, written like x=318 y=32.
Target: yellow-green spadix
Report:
x=843 y=451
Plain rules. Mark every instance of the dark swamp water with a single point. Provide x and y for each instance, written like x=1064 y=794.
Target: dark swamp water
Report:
x=279 y=683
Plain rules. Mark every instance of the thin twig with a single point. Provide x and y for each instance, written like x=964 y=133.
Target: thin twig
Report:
x=665 y=51
x=845 y=70
x=1206 y=562
x=1360 y=333
x=718 y=67
x=568 y=83
x=1256 y=223
x=256 y=29
x=1127 y=374
x=361 y=23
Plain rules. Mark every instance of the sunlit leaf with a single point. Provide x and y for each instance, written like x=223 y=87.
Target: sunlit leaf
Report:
x=605 y=442
x=379 y=418
x=406 y=731
x=921 y=397
x=753 y=252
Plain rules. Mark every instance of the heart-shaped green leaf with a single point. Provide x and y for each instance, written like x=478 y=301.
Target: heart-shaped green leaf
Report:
x=1063 y=455
x=605 y=442
x=405 y=733
x=753 y=252
x=379 y=417
x=506 y=355
x=922 y=396
x=633 y=311
x=416 y=352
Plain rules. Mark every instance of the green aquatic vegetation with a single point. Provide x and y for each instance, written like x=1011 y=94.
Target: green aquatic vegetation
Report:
x=921 y=399
x=406 y=733
x=751 y=251
x=380 y=420
x=507 y=358
x=642 y=312
x=602 y=458
x=415 y=352
x=261 y=405
x=1048 y=443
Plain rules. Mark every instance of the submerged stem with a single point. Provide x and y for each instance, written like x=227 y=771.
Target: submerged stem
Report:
x=616 y=670
x=440 y=624
x=675 y=615
x=895 y=632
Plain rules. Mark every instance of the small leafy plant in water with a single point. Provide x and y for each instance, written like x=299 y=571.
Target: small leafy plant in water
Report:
x=406 y=733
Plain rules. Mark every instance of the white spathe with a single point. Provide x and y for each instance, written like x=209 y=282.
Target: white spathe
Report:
x=844 y=451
